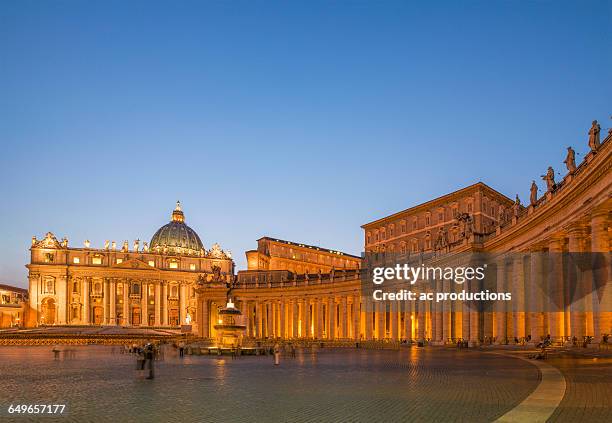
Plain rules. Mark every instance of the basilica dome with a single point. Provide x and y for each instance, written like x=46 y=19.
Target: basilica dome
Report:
x=176 y=236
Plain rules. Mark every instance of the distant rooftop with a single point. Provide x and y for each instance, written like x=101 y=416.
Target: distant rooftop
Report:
x=13 y=288
x=312 y=247
x=441 y=199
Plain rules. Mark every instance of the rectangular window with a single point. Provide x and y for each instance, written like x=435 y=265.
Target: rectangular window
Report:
x=119 y=261
x=96 y=260
x=192 y=266
x=173 y=265
x=76 y=260
x=151 y=263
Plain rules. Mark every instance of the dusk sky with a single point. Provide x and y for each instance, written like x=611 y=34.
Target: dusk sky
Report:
x=296 y=120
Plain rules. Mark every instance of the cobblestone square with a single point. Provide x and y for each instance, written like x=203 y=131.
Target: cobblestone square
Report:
x=99 y=383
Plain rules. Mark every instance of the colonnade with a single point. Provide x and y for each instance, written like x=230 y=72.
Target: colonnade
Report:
x=129 y=302
x=337 y=317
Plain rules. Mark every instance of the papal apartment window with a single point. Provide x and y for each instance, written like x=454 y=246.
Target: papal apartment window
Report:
x=427 y=220
x=440 y=217
x=414 y=225
x=469 y=207
x=76 y=260
x=96 y=260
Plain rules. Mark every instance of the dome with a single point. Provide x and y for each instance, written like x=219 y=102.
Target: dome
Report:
x=176 y=236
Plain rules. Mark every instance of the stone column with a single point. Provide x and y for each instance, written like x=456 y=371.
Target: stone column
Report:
x=421 y=320
x=182 y=303
x=105 y=301
x=394 y=321
x=319 y=312
x=438 y=335
x=356 y=317
x=446 y=314
x=205 y=321
x=157 y=304
x=126 y=303
x=258 y=318
x=144 y=296
x=331 y=319
x=295 y=318
x=381 y=319
x=537 y=296
x=555 y=288
x=283 y=326
x=86 y=311
x=518 y=297
x=270 y=321
x=407 y=320
x=578 y=288
x=501 y=323
x=466 y=323
x=369 y=315
x=164 y=303
x=113 y=302
x=600 y=243
x=306 y=328
x=344 y=315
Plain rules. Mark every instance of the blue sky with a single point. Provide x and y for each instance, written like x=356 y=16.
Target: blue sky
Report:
x=298 y=120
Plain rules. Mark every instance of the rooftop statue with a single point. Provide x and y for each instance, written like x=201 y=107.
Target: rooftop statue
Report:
x=570 y=160
x=533 y=197
x=516 y=207
x=594 y=136
x=550 y=179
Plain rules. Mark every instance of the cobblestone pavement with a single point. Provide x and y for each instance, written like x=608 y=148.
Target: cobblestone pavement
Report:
x=99 y=384
x=588 y=396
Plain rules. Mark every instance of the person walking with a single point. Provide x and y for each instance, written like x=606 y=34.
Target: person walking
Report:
x=276 y=354
x=149 y=356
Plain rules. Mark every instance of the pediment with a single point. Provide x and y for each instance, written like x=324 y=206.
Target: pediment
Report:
x=134 y=264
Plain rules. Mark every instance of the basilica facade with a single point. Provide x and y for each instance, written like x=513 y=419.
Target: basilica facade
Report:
x=292 y=290
x=153 y=284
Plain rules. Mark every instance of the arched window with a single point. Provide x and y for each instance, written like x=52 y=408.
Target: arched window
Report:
x=174 y=291
x=136 y=289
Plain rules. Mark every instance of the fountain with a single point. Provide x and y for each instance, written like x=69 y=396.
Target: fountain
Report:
x=229 y=330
